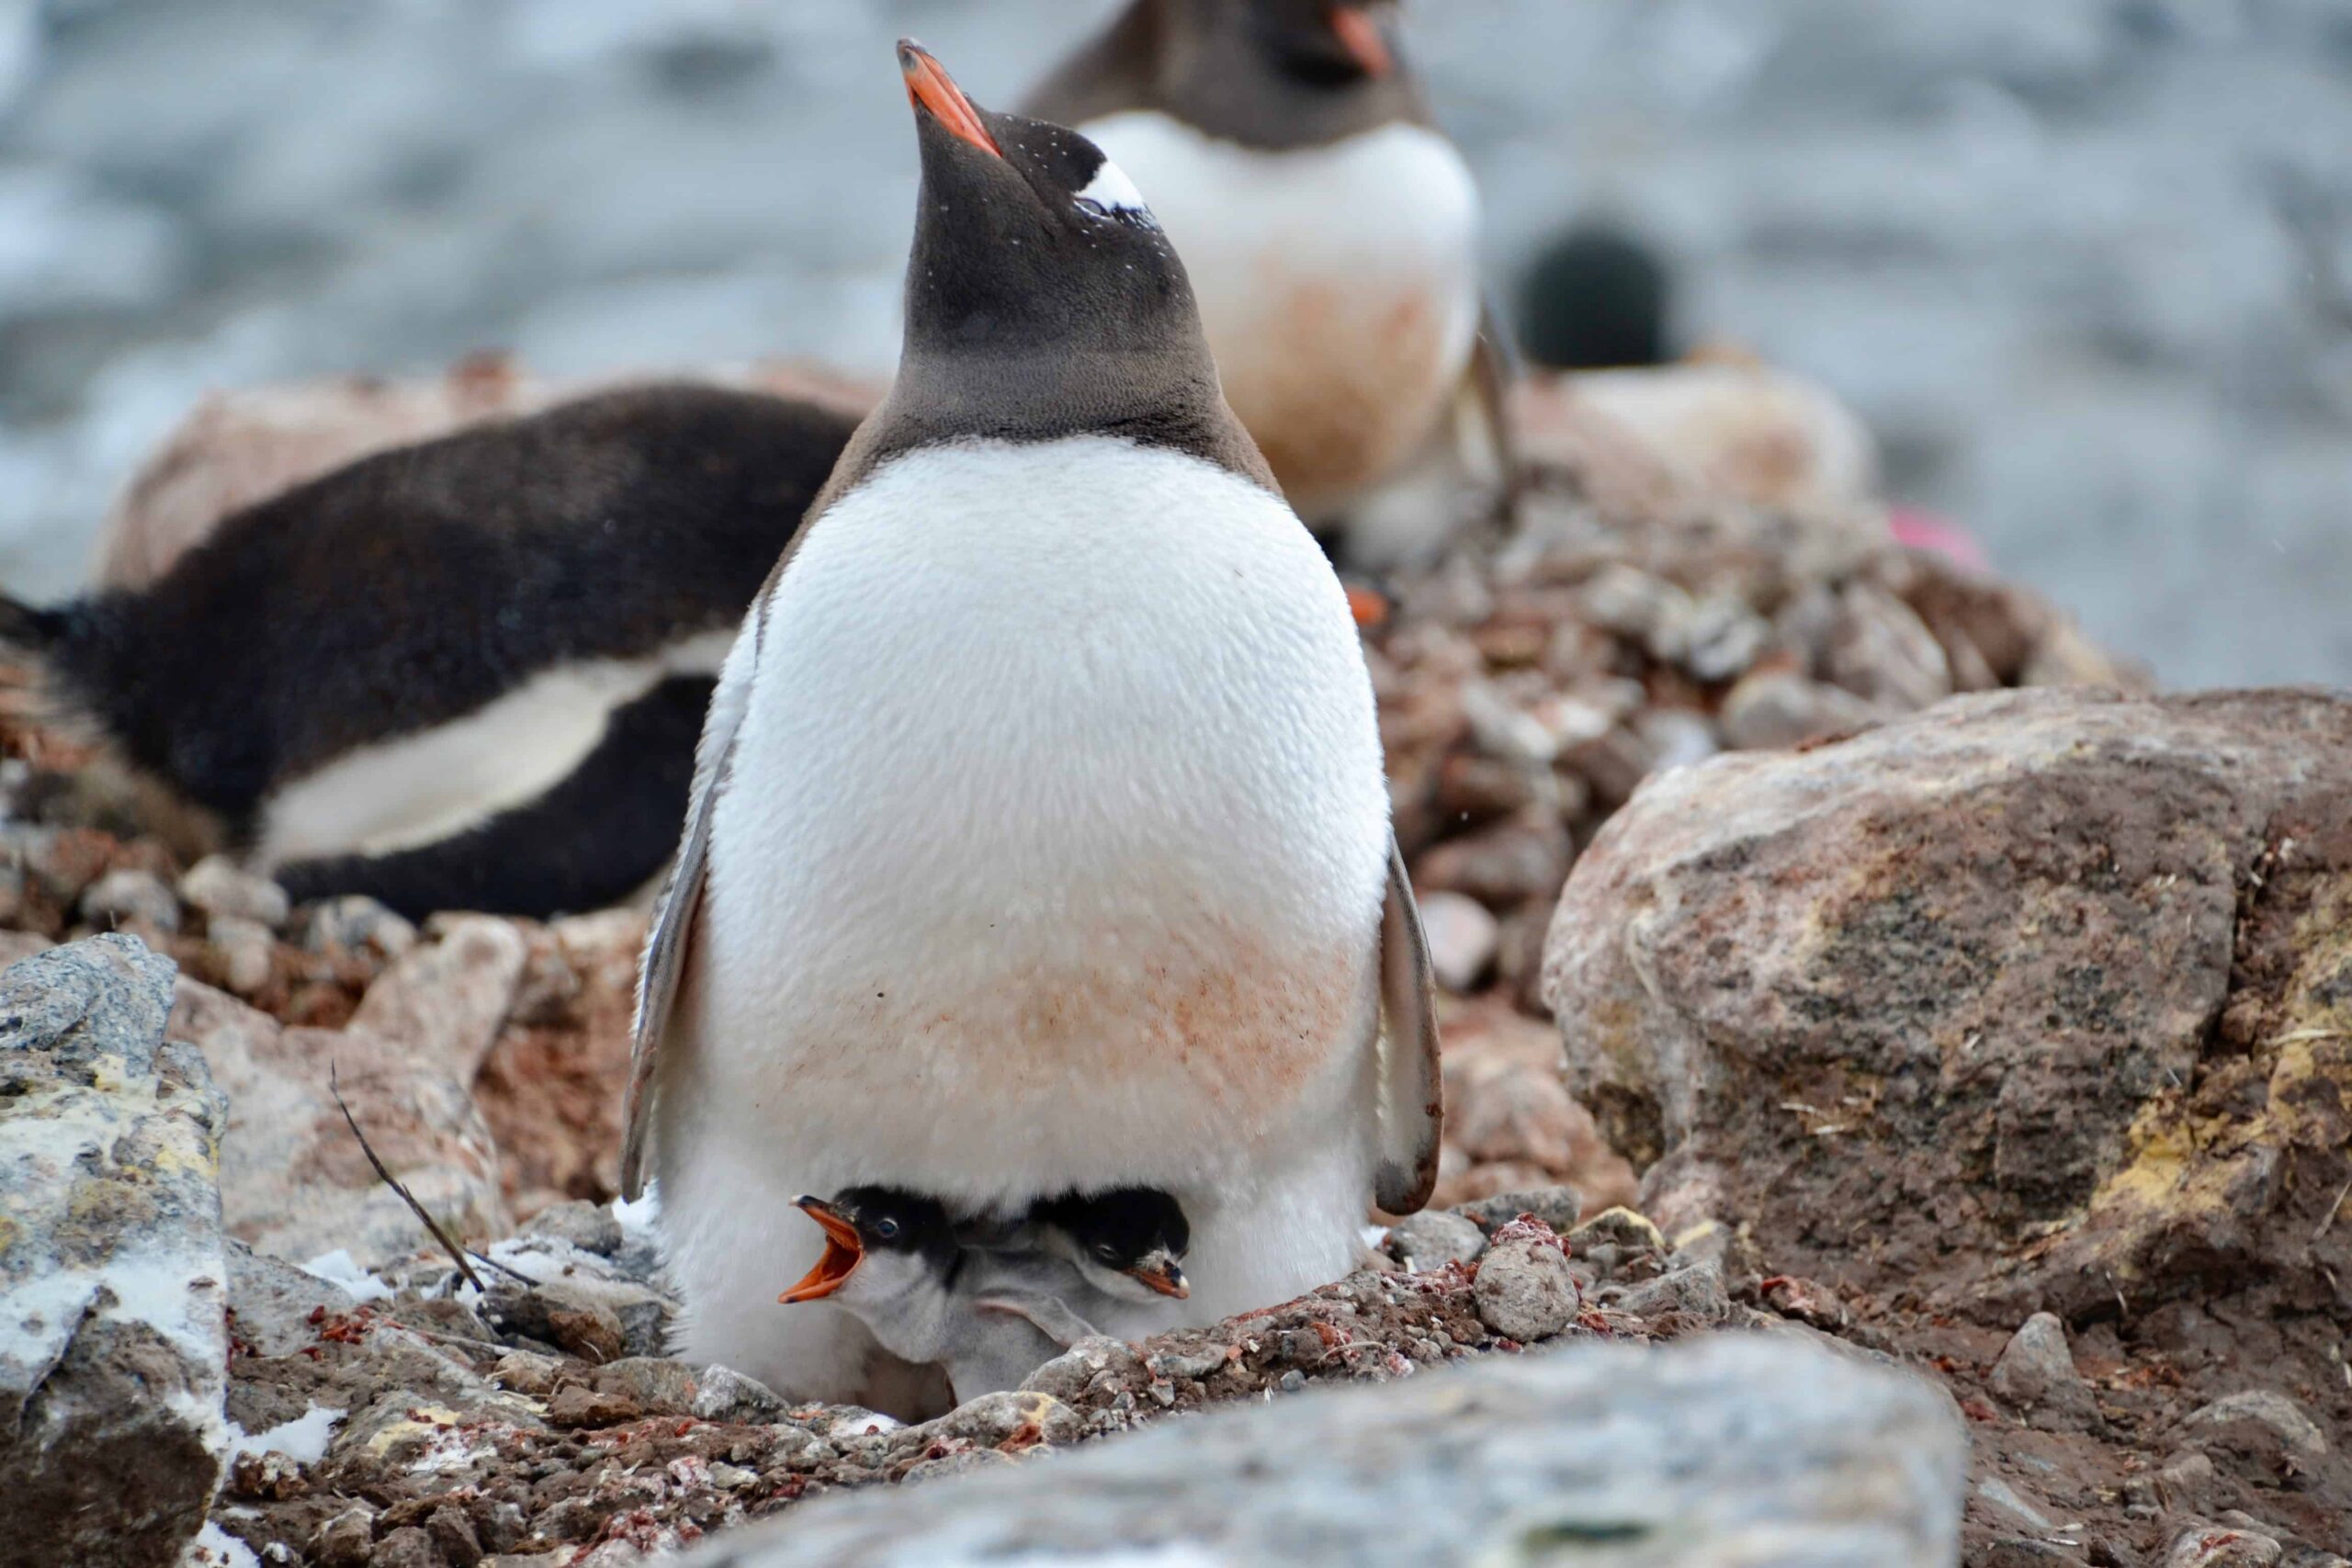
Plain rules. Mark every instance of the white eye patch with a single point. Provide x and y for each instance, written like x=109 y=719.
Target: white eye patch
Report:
x=1111 y=194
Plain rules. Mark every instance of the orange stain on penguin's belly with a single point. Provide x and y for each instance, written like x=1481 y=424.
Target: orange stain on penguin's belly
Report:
x=1239 y=1044
x=1338 y=388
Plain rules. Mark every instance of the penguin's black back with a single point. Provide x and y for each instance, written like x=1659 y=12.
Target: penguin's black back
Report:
x=414 y=586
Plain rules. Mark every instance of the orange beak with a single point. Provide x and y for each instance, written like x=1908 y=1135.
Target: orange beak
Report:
x=1168 y=1281
x=1360 y=36
x=929 y=87
x=842 y=1253
x=1368 y=605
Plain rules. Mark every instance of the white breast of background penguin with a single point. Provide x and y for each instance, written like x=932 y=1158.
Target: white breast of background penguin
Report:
x=1057 y=806
x=1339 y=286
x=422 y=788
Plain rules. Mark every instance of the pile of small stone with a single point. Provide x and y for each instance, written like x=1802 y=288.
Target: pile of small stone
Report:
x=223 y=925
x=1530 y=682
x=411 y=1421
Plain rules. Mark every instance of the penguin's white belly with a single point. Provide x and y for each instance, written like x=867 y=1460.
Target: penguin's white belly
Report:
x=1053 y=849
x=1339 y=286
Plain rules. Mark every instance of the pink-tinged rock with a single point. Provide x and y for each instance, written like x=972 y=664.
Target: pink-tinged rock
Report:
x=2027 y=1001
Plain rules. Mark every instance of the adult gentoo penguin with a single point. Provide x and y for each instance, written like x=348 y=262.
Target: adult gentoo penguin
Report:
x=1330 y=231
x=1039 y=840
x=466 y=673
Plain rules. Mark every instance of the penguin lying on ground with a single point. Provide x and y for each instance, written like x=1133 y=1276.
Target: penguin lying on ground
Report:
x=990 y=1314
x=1039 y=840
x=1332 y=234
x=462 y=674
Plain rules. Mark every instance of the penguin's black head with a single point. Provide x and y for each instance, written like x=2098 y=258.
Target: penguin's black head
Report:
x=1031 y=246
x=902 y=1233
x=1130 y=1234
x=1318 y=43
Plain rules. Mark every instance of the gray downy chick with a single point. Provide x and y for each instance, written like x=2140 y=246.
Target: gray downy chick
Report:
x=988 y=1317
x=1129 y=1243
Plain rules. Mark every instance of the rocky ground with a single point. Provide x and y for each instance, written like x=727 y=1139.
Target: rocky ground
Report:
x=2004 y=1044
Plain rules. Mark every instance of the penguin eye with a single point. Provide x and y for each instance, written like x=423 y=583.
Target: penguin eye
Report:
x=1110 y=194
x=885 y=1230
x=1107 y=1253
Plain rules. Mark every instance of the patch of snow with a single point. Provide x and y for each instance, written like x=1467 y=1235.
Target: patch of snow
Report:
x=339 y=1268
x=638 y=1219
x=303 y=1439
x=216 y=1548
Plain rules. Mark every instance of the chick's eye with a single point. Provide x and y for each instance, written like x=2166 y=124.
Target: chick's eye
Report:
x=1107 y=1253
x=888 y=1230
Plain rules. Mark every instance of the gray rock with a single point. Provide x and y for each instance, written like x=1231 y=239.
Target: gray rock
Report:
x=219 y=885
x=992 y=1418
x=1677 y=738
x=726 y=1395
x=247 y=950
x=2212 y=1545
x=1726 y=1450
x=294 y=1182
x=1773 y=709
x=1525 y=1289
x=2004 y=1497
x=1723 y=637
x=662 y=1387
x=113 y=1355
x=1078 y=1368
x=271 y=1301
x=1555 y=1206
x=2023 y=1551
x=1882 y=651
x=447 y=1000
x=2258 y=1435
x=354 y=922
x=2036 y=1372
x=1433 y=1238
x=591 y=1227
x=127 y=893
x=1464 y=938
x=1695 y=1290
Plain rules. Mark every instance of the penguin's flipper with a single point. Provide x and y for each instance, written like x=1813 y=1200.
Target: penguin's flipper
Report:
x=1051 y=1315
x=1412 y=1107
x=669 y=943
x=1494 y=369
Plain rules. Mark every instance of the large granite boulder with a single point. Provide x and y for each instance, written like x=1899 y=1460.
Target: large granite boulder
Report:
x=113 y=1285
x=1735 y=1449
x=2035 y=1000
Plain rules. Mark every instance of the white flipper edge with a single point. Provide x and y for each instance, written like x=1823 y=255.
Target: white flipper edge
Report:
x=1412 y=1109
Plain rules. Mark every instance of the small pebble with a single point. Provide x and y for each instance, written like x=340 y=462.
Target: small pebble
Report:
x=219 y=886
x=1525 y=1291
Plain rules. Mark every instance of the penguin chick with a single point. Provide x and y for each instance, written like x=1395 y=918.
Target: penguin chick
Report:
x=1127 y=1243
x=987 y=1318
x=466 y=673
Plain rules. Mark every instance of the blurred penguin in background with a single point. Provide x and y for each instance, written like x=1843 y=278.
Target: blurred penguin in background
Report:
x=1331 y=232
x=466 y=673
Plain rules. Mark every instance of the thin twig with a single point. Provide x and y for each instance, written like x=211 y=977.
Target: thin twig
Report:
x=454 y=1250
x=2333 y=1209
x=487 y=1261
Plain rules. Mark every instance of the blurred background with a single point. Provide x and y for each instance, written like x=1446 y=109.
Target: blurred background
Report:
x=2086 y=266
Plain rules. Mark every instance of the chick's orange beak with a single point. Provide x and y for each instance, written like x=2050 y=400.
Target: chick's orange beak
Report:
x=1168 y=1279
x=1360 y=36
x=930 y=88
x=842 y=1253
